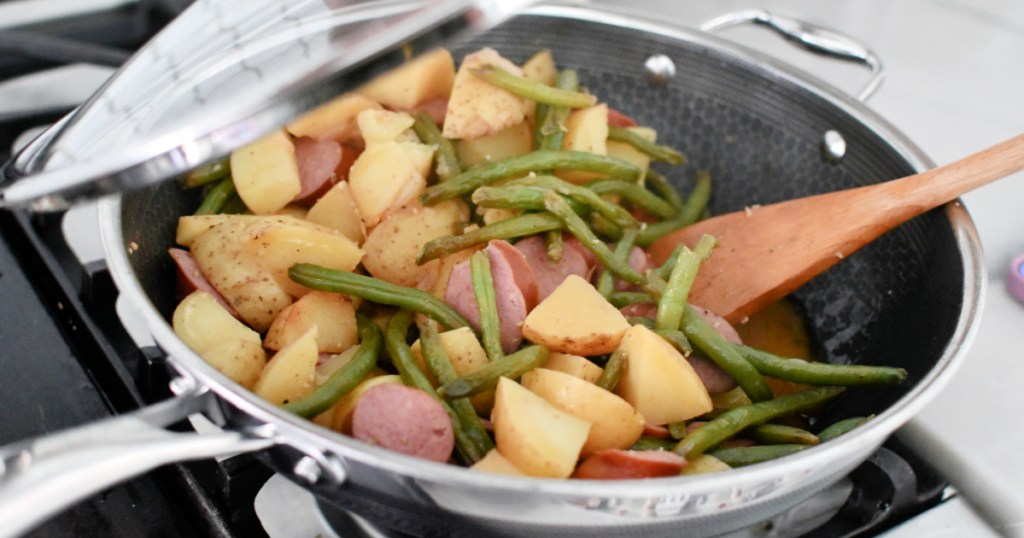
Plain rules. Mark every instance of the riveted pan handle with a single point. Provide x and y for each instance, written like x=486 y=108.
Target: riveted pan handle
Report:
x=815 y=38
x=40 y=477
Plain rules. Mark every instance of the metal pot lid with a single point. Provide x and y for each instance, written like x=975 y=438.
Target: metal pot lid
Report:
x=219 y=76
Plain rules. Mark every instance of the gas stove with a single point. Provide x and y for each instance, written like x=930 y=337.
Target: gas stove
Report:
x=77 y=355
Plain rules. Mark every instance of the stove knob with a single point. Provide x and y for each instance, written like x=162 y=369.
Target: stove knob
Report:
x=1015 y=279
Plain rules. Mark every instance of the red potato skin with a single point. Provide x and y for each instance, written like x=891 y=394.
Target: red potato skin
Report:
x=405 y=420
x=618 y=464
x=511 y=304
x=191 y=278
x=318 y=161
x=525 y=278
x=549 y=275
x=618 y=119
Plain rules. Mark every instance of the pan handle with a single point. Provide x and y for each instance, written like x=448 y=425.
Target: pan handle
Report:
x=815 y=38
x=39 y=477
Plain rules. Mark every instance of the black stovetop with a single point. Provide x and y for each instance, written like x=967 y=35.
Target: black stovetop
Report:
x=67 y=360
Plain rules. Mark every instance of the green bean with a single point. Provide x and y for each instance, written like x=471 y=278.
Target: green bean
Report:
x=554 y=245
x=749 y=455
x=658 y=152
x=606 y=282
x=677 y=289
x=636 y=195
x=721 y=352
x=696 y=202
x=677 y=339
x=441 y=368
x=213 y=203
x=412 y=376
x=778 y=434
x=820 y=373
x=447 y=160
x=678 y=429
x=840 y=428
x=347 y=377
x=539 y=125
x=613 y=212
x=518 y=197
x=533 y=90
x=378 y=291
x=735 y=420
x=518 y=226
x=575 y=225
x=654 y=285
x=208 y=173
x=487 y=304
x=661 y=185
x=647 y=442
x=486 y=377
x=665 y=271
x=234 y=205
x=613 y=370
x=552 y=130
x=479 y=176
x=606 y=229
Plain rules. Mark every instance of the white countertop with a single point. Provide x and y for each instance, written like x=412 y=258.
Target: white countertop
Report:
x=954 y=85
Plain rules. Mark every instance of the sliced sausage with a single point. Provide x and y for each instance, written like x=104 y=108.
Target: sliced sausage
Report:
x=639 y=261
x=318 y=160
x=723 y=327
x=191 y=278
x=656 y=430
x=521 y=270
x=640 y=310
x=618 y=464
x=511 y=304
x=436 y=108
x=715 y=379
x=549 y=274
x=405 y=420
x=570 y=241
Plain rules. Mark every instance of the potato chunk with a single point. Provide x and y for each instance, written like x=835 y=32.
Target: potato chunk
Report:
x=535 y=436
x=290 y=375
x=515 y=140
x=613 y=422
x=220 y=339
x=495 y=463
x=336 y=209
x=586 y=130
x=278 y=245
x=541 y=68
x=384 y=177
x=332 y=314
x=379 y=126
x=477 y=108
x=659 y=381
x=466 y=355
x=576 y=319
x=574 y=365
x=335 y=120
x=425 y=77
x=266 y=174
x=392 y=247
x=247 y=286
x=628 y=153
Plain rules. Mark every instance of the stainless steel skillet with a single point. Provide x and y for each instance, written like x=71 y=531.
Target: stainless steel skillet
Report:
x=911 y=299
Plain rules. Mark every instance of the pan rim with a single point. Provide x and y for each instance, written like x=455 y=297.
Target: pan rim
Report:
x=305 y=433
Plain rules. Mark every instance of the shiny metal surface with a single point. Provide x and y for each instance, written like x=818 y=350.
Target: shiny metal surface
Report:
x=219 y=76
x=707 y=505
x=39 y=477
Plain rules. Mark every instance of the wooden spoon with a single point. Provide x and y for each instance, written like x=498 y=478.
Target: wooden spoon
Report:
x=765 y=253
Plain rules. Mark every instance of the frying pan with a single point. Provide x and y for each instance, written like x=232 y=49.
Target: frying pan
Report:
x=911 y=299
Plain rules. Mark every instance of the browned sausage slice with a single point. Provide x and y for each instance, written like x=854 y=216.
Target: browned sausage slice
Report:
x=618 y=464
x=405 y=420
x=715 y=379
x=191 y=278
x=317 y=161
x=723 y=327
x=550 y=274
